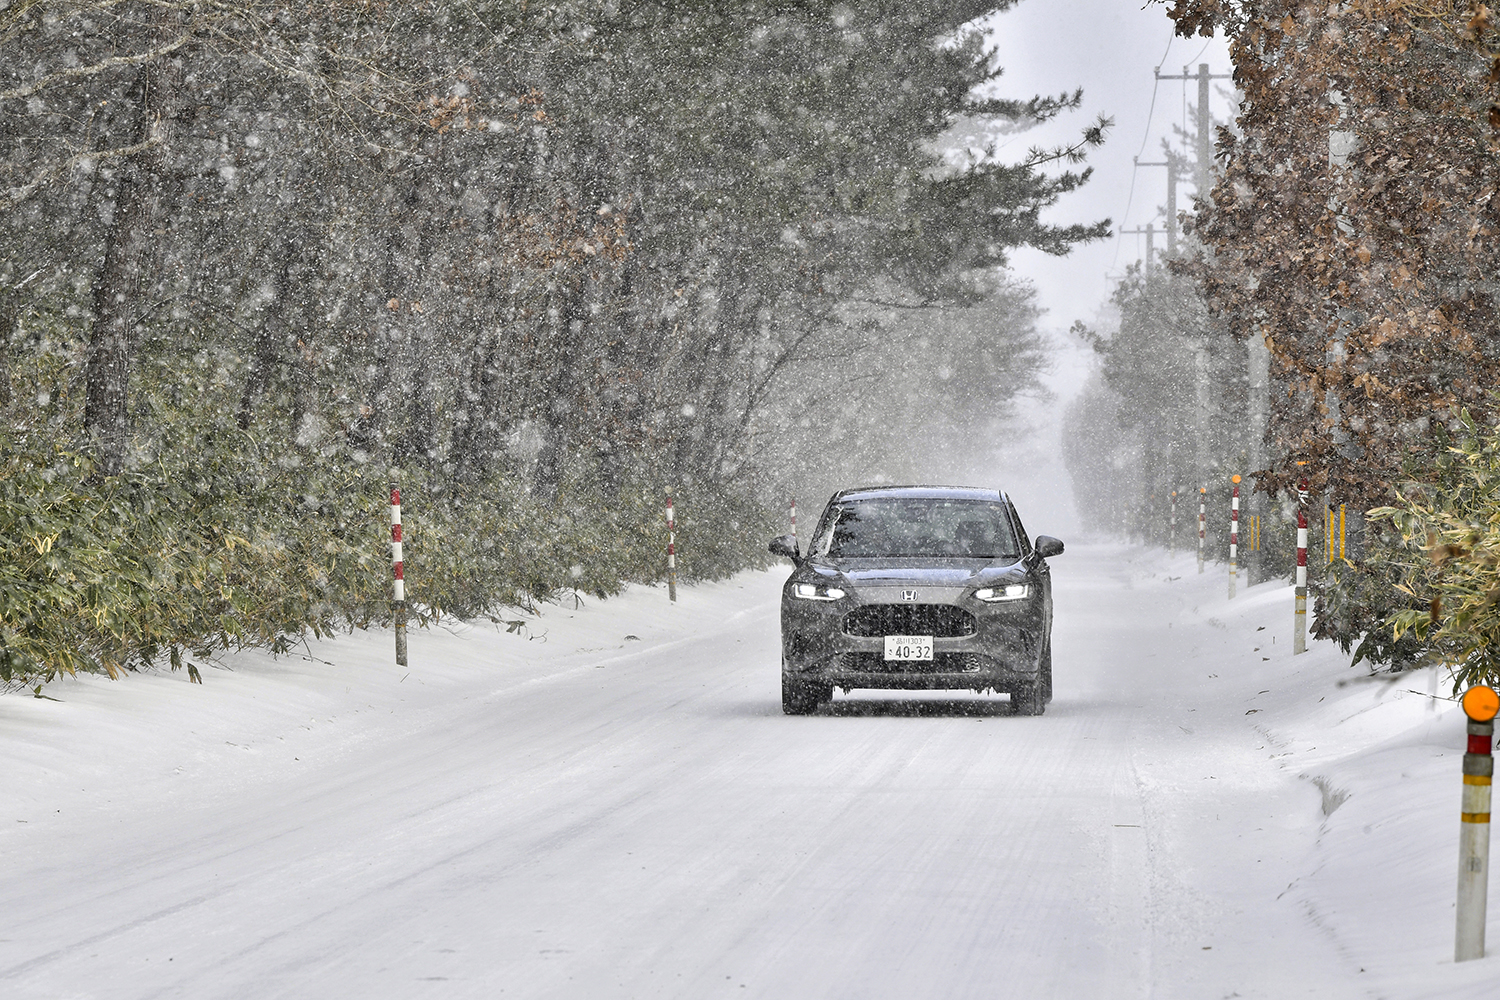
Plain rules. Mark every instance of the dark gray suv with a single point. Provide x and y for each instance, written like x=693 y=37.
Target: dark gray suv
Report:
x=917 y=587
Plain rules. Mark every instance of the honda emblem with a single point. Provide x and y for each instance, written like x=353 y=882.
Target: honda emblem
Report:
x=908 y=595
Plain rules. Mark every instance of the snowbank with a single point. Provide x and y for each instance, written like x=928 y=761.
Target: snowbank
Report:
x=1382 y=751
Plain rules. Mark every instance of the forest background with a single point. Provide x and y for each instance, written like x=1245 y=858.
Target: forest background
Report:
x=535 y=264
x=1349 y=238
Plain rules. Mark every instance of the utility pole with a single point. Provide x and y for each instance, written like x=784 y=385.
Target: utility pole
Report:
x=1259 y=371
x=1173 y=165
x=1342 y=144
x=1203 y=177
x=1203 y=402
x=1205 y=141
x=1205 y=172
x=1149 y=230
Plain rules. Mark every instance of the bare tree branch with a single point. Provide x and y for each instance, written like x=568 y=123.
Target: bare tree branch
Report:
x=94 y=69
x=18 y=194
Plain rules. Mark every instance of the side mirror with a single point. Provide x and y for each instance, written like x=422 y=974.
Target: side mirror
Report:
x=786 y=546
x=1047 y=546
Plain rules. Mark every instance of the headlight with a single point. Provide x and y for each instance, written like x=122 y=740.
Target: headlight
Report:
x=817 y=592
x=1008 y=592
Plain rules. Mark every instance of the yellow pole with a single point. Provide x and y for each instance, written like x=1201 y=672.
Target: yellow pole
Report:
x=1342 y=531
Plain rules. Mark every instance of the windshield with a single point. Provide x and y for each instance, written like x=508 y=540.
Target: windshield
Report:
x=968 y=529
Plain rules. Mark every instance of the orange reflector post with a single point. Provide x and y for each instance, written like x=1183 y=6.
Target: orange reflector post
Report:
x=1481 y=703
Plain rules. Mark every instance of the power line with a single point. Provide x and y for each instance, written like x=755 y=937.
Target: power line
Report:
x=1150 y=114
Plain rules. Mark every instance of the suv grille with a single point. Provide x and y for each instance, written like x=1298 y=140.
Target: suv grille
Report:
x=938 y=620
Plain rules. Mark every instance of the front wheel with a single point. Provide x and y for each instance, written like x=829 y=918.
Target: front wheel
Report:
x=1030 y=699
x=1044 y=674
x=801 y=698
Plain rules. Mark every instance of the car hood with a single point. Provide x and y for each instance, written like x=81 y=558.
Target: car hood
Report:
x=942 y=579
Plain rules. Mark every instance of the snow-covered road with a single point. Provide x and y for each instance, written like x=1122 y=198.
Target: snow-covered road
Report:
x=565 y=812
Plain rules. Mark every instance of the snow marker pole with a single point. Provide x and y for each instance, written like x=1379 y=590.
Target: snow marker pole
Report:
x=671 y=552
x=398 y=601
x=1202 y=520
x=1299 y=622
x=1172 y=531
x=1480 y=704
x=1234 y=534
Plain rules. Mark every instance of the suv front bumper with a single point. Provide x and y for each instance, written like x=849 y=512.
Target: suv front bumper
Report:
x=1003 y=653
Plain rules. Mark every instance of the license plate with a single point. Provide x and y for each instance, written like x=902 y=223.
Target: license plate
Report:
x=908 y=647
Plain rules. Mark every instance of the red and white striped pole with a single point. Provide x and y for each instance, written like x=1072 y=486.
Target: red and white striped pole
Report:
x=1480 y=704
x=671 y=552
x=1202 y=521
x=398 y=595
x=1299 y=622
x=1234 y=534
x=1172 y=527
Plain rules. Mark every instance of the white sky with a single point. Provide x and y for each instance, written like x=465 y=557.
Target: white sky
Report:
x=1109 y=48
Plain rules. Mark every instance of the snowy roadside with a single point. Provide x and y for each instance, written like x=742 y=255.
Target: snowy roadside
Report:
x=1383 y=752
x=95 y=747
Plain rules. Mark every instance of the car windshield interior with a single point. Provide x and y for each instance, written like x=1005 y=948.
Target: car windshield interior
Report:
x=965 y=529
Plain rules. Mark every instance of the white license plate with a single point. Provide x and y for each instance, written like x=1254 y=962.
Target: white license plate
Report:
x=908 y=647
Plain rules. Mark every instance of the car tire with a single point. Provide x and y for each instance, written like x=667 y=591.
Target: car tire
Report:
x=800 y=698
x=1029 y=699
x=1044 y=673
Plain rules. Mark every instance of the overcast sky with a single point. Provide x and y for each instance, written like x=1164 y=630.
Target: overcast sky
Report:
x=1109 y=48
